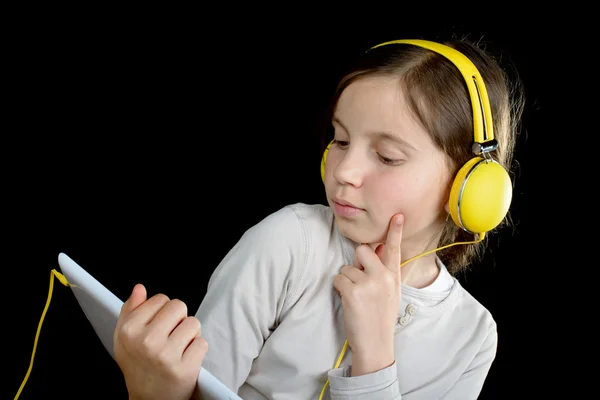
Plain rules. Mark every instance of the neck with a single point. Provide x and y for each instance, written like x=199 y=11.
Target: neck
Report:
x=420 y=272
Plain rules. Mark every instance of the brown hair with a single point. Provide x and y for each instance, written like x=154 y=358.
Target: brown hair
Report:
x=438 y=95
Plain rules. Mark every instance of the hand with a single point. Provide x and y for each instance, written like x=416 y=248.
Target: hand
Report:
x=370 y=291
x=158 y=347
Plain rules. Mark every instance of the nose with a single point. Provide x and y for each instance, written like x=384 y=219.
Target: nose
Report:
x=349 y=169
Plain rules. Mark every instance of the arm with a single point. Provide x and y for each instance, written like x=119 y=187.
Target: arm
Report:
x=379 y=385
x=247 y=293
x=383 y=384
x=471 y=382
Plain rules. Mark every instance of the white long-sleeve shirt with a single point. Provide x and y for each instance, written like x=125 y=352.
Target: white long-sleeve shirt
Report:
x=275 y=327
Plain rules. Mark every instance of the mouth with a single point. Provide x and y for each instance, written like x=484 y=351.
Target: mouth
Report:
x=345 y=203
x=345 y=208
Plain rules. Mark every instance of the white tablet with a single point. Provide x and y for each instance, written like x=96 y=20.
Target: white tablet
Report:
x=102 y=309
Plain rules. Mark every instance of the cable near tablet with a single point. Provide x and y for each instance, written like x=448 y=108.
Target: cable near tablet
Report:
x=63 y=280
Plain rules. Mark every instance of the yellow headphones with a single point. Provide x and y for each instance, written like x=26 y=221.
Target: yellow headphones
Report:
x=482 y=189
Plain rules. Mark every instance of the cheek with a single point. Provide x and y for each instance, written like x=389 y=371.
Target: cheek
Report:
x=418 y=201
x=391 y=190
x=388 y=197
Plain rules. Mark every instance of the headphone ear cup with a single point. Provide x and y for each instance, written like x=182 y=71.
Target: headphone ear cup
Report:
x=480 y=196
x=324 y=161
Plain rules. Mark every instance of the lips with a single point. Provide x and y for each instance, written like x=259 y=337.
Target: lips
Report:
x=345 y=203
x=346 y=210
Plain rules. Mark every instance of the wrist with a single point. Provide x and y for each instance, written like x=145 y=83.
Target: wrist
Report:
x=363 y=364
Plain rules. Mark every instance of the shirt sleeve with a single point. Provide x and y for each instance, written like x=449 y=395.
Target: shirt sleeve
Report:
x=380 y=385
x=471 y=382
x=247 y=293
x=383 y=384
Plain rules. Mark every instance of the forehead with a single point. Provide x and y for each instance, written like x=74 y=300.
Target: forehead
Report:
x=378 y=104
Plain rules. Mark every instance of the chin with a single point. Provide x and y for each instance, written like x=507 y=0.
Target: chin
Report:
x=356 y=232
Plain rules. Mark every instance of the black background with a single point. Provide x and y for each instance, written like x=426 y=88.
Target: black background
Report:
x=144 y=144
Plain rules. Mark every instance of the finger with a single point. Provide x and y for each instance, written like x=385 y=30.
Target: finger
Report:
x=183 y=335
x=145 y=312
x=356 y=262
x=367 y=260
x=379 y=251
x=136 y=298
x=353 y=274
x=391 y=252
x=342 y=284
x=195 y=352
x=168 y=318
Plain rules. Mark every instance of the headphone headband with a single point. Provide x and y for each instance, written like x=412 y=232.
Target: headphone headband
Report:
x=482 y=113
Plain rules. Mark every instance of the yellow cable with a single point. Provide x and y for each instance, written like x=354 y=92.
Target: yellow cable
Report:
x=337 y=364
x=341 y=356
x=63 y=280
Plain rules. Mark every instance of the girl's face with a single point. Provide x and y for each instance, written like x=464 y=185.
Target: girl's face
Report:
x=383 y=162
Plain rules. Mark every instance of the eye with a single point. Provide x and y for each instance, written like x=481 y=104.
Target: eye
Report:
x=340 y=143
x=389 y=161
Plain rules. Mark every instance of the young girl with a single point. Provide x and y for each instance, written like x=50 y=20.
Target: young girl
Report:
x=356 y=299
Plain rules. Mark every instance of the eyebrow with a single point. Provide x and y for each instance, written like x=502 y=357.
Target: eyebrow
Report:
x=386 y=135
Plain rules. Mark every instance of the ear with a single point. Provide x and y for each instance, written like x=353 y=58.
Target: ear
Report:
x=447 y=207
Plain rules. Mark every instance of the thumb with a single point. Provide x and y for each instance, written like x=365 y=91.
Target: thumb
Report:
x=138 y=296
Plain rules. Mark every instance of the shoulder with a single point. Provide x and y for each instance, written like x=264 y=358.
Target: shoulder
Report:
x=304 y=233
x=473 y=310
x=293 y=229
x=294 y=221
x=288 y=241
x=278 y=246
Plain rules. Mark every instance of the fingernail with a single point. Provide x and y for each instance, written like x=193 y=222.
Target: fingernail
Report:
x=399 y=219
